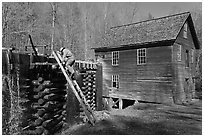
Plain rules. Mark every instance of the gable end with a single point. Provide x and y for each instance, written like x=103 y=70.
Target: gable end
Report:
x=192 y=31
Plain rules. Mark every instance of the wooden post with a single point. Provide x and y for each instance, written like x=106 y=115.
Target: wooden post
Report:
x=120 y=103
x=53 y=24
x=99 y=87
x=110 y=102
x=72 y=108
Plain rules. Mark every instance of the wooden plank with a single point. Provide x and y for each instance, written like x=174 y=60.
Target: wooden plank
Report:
x=73 y=108
x=43 y=63
x=99 y=87
x=114 y=103
x=110 y=102
x=120 y=103
x=123 y=96
x=4 y=62
x=33 y=47
x=143 y=96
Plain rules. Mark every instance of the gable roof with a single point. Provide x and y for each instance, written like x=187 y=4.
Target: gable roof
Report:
x=164 y=29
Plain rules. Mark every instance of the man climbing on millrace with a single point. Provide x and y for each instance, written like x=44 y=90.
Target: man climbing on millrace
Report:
x=68 y=60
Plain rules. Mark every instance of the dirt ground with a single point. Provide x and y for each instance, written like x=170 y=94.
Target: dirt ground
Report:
x=146 y=119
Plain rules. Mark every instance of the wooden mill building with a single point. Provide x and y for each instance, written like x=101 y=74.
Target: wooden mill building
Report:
x=152 y=60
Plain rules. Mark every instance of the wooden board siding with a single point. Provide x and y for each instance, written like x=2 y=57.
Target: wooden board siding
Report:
x=181 y=73
x=187 y=45
x=149 y=82
x=162 y=77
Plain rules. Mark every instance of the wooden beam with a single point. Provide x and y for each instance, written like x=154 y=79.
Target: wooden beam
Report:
x=31 y=41
x=110 y=102
x=114 y=103
x=99 y=87
x=120 y=103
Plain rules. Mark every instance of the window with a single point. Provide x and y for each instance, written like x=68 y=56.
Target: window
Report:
x=192 y=55
x=185 y=29
x=115 y=58
x=141 y=56
x=115 y=81
x=179 y=53
x=187 y=59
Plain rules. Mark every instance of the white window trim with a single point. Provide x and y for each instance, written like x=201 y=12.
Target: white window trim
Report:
x=117 y=59
x=185 y=30
x=179 y=53
x=192 y=55
x=138 y=63
x=115 y=78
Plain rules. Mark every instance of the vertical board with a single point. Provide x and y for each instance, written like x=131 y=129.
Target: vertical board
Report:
x=99 y=86
x=72 y=109
x=4 y=62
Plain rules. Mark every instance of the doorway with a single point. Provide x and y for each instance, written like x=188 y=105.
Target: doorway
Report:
x=187 y=90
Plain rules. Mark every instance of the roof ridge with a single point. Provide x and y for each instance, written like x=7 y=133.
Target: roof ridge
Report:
x=151 y=19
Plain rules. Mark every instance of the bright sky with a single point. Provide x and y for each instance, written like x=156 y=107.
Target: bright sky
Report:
x=158 y=9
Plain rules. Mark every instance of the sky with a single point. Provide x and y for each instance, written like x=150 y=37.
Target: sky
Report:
x=158 y=9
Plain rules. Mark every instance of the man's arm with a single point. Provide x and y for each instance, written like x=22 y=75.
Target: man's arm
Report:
x=65 y=55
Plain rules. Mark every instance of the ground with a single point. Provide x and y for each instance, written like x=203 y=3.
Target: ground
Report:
x=146 y=119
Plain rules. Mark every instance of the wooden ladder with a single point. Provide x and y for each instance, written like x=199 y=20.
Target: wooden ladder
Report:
x=77 y=91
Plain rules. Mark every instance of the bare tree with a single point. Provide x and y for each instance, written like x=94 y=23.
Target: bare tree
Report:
x=78 y=26
x=53 y=6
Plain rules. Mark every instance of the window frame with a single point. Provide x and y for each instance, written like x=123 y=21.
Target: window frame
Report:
x=141 y=56
x=115 y=58
x=179 y=53
x=115 y=78
x=185 y=30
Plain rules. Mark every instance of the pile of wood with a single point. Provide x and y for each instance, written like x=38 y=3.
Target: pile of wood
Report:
x=88 y=84
x=37 y=99
x=44 y=104
x=44 y=98
x=89 y=88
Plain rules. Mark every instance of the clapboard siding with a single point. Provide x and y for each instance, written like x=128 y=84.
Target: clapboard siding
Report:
x=153 y=77
x=163 y=78
x=181 y=73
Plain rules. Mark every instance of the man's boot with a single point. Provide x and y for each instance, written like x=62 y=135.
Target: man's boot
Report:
x=73 y=76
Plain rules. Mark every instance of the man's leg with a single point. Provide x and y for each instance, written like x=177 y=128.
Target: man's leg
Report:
x=69 y=66
x=70 y=69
